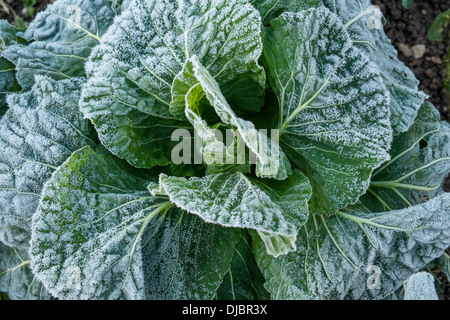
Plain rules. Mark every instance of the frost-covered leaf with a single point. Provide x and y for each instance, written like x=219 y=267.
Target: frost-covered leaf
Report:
x=8 y=82
x=270 y=9
x=37 y=134
x=419 y=165
x=62 y=38
x=131 y=72
x=443 y=263
x=271 y=161
x=358 y=254
x=16 y=278
x=188 y=100
x=436 y=30
x=116 y=241
x=334 y=108
x=420 y=286
x=244 y=280
x=276 y=209
x=194 y=82
x=364 y=23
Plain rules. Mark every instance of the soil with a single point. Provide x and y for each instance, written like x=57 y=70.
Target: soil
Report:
x=405 y=27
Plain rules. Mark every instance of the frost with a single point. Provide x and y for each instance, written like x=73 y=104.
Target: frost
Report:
x=16 y=278
x=341 y=253
x=275 y=209
x=116 y=241
x=334 y=106
x=405 y=97
x=38 y=133
x=154 y=39
x=420 y=286
x=61 y=38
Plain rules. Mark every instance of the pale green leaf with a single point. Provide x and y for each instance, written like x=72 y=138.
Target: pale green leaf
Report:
x=62 y=37
x=129 y=91
x=187 y=100
x=420 y=286
x=116 y=241
x=38 y=133
x=271 y=161
x=419 y=165
x=276 y=209
x=334 y=109
x=364 y=23
x=358 y=254
x=407 y=3
x=16 y=278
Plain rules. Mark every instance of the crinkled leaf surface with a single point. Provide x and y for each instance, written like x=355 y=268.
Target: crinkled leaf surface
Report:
x=334 y=108
x=129 y=91
x=62 y=38
x=270 y=9
x=37 y=134
x=187 y=99
x=244 y=280
x=8 y=82
x=16 y=278
x=420 y=286
x=276 y=209
x=340 y=257
x=364 y=24
x=116 y=241
x=419 y=165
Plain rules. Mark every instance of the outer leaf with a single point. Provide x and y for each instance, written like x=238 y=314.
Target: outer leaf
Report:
x=273 y=208
x=364 y=24
x=16 y=278
x=420 y=163
x=37 y=134
x=132 y=71
x=270 y=9
x=420 y=286
x=115 y=240
x=340 y=257
x=62 y=38
x=244 y=281
x=334 y=108
x=8 y=82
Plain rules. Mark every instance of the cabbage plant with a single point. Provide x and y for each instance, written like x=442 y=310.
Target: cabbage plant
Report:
x=113 y=179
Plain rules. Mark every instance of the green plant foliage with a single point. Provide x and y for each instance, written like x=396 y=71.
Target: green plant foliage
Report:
x=307 y=165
